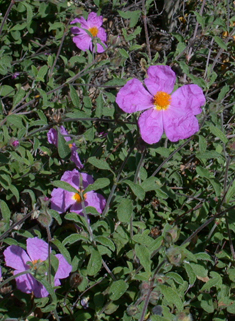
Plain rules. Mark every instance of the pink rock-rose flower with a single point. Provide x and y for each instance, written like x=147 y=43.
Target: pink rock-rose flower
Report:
x=52 y=137
x=93 y=24
x=173 y=113
x=37 y=252
x=63 y=200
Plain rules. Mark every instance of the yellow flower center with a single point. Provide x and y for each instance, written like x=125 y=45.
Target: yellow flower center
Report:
x=162 y=100
x=35 y=262
x=77 y=197
x=70 y=146
x=94 y=31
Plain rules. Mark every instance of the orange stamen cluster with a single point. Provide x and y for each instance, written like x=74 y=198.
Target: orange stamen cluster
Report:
x=77 y=197
x=162 y=100
x=94 y=31
x=35 y=262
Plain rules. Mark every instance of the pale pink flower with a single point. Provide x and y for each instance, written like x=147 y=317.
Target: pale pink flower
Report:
x=173 y=113
x=62 y=200
x=37 y=253
x=93 y=24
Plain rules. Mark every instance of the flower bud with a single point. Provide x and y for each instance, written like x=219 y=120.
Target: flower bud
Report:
x=172 y=235
x=175 y=255
x=132 y=310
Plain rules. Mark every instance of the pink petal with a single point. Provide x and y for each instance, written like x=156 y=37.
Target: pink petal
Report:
x=37 y=249
x=64 y=268
x=82 y=21
x=75 y=157
x=178 y=125
x=102 y=35
x=188 y=98
x=61 y=200
x=16 y=258
x=39 y=290
x=133 y=97
x=65 y=134
x=83 y=41
x=95 y=200
x=86 y=180
x=25 y=282
x=94 y=21
x=76 y=208
x=71 y=177
x=160 y=78
x=151 y=126
x=52 y=136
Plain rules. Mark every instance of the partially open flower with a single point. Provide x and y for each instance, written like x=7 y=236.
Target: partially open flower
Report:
x=52 y=137
x=62 y=200
x=37 y=253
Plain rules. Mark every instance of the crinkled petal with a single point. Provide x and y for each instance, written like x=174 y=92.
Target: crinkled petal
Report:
x=28 y=284
x=95 y=200
x=75 y=157
x=133 y=97
x=151 y=126
x=83 y=41
x=64 y=268
x=86 y=180
x=61 y=200
x=102 y=35
x=52 y=136
x=75 y=30
x=72 y=177
x=16 y=258
x=39 y=290
x=82 y=21
x=37 y=249
x=25 y=282
x=160 y=78
x=100 y=48
x=188 y=98
x=77 y=208
x=65 y=134
x=94 y=21
x=178 y=125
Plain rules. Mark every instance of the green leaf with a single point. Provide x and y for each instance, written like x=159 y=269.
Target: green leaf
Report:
x=99 y=163
x=218 y=133
x=231 y=192
x=190 y=272
x=62 y=250
x=15 y=120
x=115 y=82
x=5 y=211
x=220 y=42
x=64 y=185
x=124 y=210
x=172 y=296
x=63 y=148
x=95 y=263
x=73 y=238
x=150 y=184
x=105 y=241
x=18 y=97
x=143 y=254
x=74 y=96
x=117 y=289
x=203 y=172
x=176 y=277
x=215 y=281
x=136 y=189
x=123 y=53
x=98 y=184
x=42 y=73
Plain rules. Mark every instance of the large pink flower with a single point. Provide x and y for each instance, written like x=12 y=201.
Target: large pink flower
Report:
x=93 y=24
x=63 y=200
x=173 y=113
x=37 y=252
